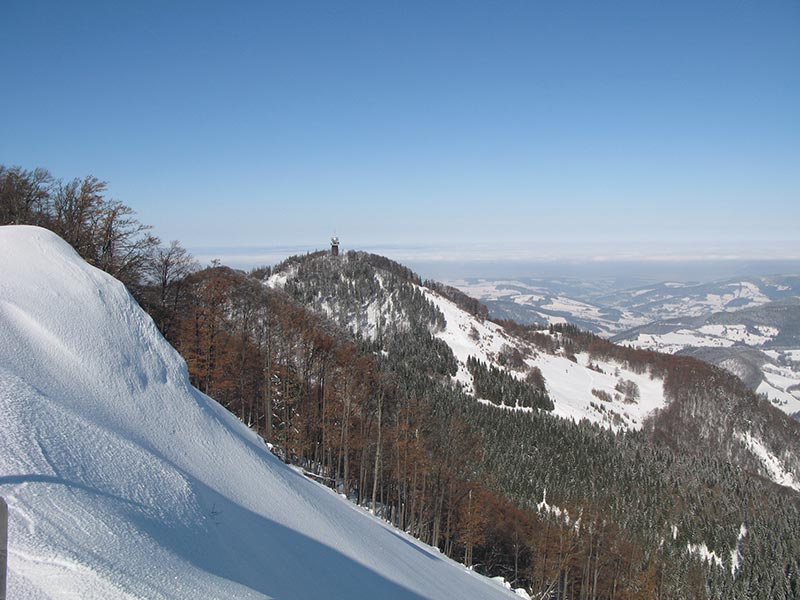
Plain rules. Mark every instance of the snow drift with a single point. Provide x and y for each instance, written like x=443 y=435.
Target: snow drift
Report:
x=123 y=481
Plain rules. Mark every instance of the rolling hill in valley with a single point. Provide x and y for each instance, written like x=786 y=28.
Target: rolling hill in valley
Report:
x=123 y=481
x=609 y=307
x=761 y=345
x=540 y=301
x=748 y=326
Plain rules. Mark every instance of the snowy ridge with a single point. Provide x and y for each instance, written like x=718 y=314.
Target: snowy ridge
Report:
x=123 y=481
x=569 y=383
x=368 y=321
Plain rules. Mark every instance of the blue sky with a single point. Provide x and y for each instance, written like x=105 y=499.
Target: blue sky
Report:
x=662 y=126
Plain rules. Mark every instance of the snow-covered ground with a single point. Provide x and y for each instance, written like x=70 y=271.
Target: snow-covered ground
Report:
x=569 y=384
x=603 y=308
x=123 y=481
x=675 y=341
x=701 y=550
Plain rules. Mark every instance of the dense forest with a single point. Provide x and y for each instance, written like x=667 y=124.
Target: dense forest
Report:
x=341 y=372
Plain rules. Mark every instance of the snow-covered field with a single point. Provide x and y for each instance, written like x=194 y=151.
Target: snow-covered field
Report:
x=675 y=341
x=123 y=481
x=782 y=385
x=607 y=310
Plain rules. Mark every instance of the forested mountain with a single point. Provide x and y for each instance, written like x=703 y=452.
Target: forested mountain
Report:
x=573 y=467
x=561 y=369
x=652 y=488
x=391 y=309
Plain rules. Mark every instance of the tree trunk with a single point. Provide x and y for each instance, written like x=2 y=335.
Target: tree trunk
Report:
x=377 y=453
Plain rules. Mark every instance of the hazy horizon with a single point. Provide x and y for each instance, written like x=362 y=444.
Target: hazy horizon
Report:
x=448 y=263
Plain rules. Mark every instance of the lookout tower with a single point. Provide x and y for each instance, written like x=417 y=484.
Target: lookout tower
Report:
x=335 y=246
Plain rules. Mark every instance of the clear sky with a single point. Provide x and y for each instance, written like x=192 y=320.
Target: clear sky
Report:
x=649 y=123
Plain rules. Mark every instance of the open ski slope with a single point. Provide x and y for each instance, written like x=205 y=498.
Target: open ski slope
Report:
x=123 y=481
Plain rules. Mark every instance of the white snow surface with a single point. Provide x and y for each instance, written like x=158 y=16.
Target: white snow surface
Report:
x=781 y=379
x=123 y=481
x=707 y=336
x=736 y=553
x=782 y=385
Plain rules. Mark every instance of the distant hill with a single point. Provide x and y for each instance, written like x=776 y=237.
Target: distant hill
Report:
x=716 y=321
x=761 y=345
x=607 y=309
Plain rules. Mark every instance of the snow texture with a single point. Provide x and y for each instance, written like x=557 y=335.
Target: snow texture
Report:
x=123 y=481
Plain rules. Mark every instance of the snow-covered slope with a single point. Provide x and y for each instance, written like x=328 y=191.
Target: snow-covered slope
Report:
x=123 y=481
x=570 y=384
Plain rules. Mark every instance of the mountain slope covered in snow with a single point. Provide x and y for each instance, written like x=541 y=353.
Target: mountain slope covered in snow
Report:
x=381 y=301
x=748 y=326
x=123 y=481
